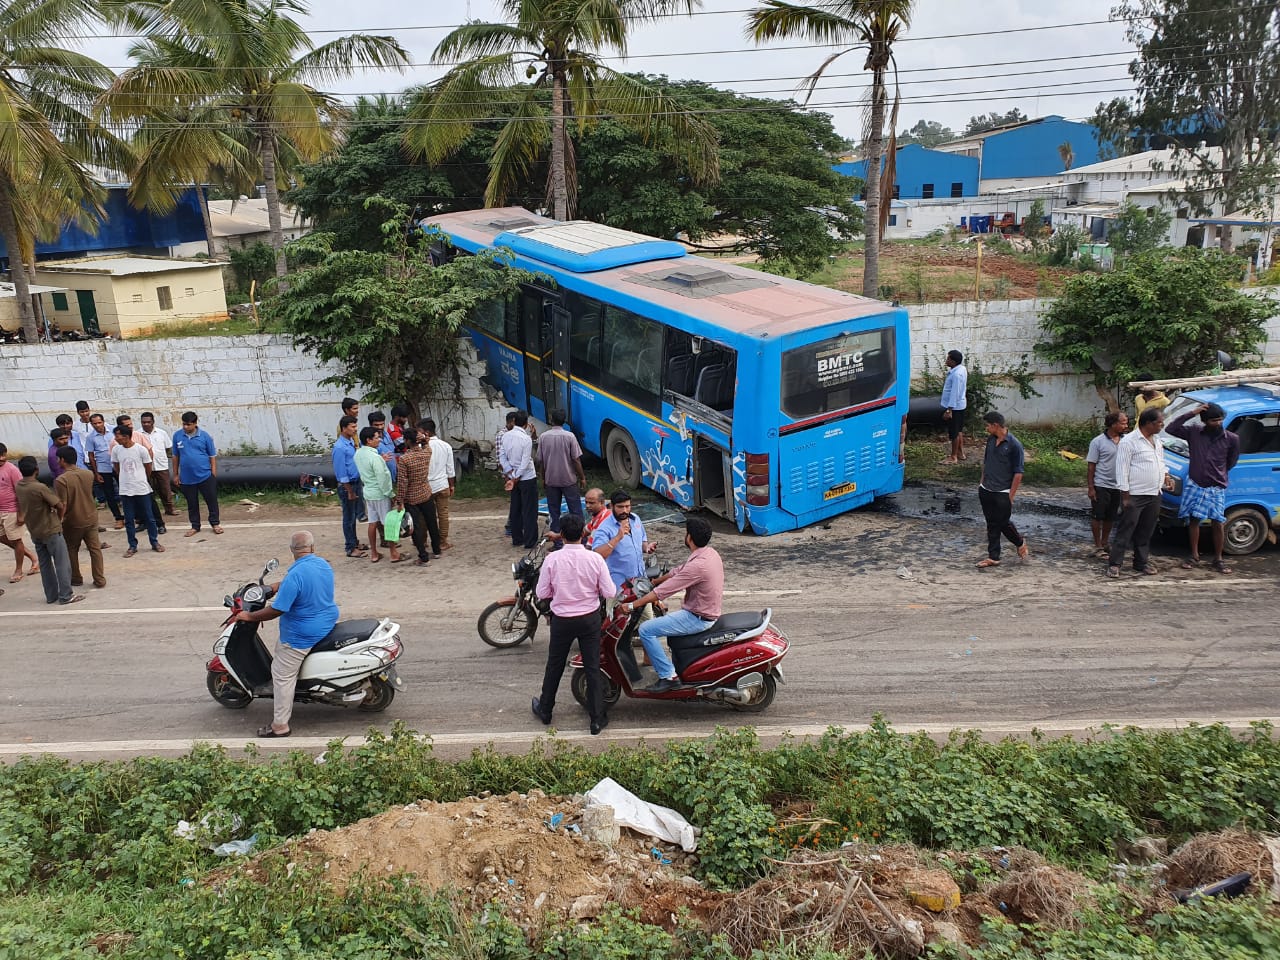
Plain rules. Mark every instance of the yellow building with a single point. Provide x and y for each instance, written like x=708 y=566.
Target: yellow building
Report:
x=131 y=296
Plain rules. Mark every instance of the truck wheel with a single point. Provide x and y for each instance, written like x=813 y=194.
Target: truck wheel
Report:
x=623 y=457
x=1245 y=531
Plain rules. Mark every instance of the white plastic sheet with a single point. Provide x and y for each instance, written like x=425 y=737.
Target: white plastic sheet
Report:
x=644 y=817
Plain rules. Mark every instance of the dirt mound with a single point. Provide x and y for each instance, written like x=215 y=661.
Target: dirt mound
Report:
x=493 y=848
x=1046 y=895
x=1210 y=857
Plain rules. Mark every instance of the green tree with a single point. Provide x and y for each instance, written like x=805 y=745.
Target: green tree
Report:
x=556 y=45
x=387 y=318
x=927 y=133
x=777 y=191
x=47 y=133
x=1139 y=229
x=245 y=65
x=1167 y=312
x=371 y=161
x=1204 y=72
x=990 y=121
x=872 y=26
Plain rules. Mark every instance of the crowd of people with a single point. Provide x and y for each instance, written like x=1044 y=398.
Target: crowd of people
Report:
x=131 y=472
x=1126 y=475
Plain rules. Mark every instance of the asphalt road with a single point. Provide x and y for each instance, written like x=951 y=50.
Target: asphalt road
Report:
x=886 y=614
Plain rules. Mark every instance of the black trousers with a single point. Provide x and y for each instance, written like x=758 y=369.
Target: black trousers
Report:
x=425 y=522
x=207 y=488
x=998 y=509
x=110 y=493
x=524 y=514
x=1137 y=524
x=585 y=630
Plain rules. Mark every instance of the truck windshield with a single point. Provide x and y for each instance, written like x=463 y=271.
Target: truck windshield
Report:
x=1175 y=409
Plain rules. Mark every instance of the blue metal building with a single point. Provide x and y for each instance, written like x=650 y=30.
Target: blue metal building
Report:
x=125 y=228
x=924 y=174
x=1029 y=149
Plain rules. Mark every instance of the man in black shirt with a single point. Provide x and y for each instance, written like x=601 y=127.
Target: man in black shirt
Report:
x=1002 y=466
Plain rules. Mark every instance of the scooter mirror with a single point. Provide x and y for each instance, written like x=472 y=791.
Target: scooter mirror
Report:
x=273 y=565
x=227 y=601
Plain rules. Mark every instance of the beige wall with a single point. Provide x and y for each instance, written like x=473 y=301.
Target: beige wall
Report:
x=130 y=306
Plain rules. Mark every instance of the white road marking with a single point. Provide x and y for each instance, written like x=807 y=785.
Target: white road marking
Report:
x=80 y=611
x=301 y=523
x=762 y=593
x=681 y=732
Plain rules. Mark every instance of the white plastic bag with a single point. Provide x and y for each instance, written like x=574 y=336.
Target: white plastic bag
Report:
x=644 y=817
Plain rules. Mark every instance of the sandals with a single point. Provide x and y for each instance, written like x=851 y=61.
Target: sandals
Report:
x=268 y=732
x=357 y=554
x=983 y=564
x=1221 y=567
x=218 y=530
x=1024 y=551
x=376 y=558
x=1113 y=573
x=1191 y=563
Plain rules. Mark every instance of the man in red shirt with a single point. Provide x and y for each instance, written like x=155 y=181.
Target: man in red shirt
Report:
x=575 y=580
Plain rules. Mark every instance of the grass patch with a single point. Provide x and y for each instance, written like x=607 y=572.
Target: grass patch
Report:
x=234 y=326
x=276 y=495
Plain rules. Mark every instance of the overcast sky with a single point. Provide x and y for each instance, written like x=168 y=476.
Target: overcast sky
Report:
x=1066 y=70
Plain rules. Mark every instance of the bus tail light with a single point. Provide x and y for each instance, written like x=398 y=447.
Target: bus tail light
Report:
x=902 y=441
x=758 y=479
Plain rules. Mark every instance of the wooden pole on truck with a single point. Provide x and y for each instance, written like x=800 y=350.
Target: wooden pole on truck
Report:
x=1232 y=379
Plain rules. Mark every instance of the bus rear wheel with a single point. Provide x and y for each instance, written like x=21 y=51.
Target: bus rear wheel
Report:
x=623 y=458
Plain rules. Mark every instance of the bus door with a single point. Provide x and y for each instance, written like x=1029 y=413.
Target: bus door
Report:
x=537 y=338
x=561 y=323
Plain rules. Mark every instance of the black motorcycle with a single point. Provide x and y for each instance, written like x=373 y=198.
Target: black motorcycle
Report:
x=511 y=621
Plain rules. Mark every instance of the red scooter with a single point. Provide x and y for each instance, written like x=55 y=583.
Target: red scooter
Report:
x=736 y=661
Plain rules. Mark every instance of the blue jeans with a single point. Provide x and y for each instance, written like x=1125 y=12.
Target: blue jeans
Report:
x=350 y=511
x=139 y=508
x=678 y=624
x=572 y=501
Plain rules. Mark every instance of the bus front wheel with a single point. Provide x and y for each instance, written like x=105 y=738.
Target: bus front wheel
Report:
x=623 y=458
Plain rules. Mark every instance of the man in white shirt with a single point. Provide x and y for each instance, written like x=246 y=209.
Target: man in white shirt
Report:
x=160 y=443
x=516 y=459
x=1140 y=476
x=132 y=465
x=440 y=478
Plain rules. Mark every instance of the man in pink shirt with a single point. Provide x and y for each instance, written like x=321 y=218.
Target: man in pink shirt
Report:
x=575 y=580
x=11 y=526
x=701 y=577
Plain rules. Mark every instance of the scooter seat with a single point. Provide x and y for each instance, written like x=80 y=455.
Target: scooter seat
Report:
x=727 y=629
x=346 y=633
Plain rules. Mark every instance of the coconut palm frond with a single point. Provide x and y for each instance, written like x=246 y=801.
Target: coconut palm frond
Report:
x=523 y=141
x=478 y=41
x=641 y=107
x=341 y=57
x=776 y=19
x=443 y=116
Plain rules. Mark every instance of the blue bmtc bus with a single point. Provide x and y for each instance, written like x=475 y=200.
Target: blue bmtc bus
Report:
x=772 y=402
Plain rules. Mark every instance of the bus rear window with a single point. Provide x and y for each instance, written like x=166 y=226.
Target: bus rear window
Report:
x=839 y=372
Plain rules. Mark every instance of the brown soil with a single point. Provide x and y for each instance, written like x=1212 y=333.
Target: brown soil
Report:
x=946 y=273
x=490 y=848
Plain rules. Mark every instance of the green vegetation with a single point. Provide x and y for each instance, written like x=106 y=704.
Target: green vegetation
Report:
x=238 y=325
x=1167 y=311
x=91 y=865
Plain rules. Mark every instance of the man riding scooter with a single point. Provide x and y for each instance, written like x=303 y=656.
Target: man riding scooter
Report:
x=701 y=577
x=304 y=602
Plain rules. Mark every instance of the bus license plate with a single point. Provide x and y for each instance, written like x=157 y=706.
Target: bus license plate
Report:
x=839 y=490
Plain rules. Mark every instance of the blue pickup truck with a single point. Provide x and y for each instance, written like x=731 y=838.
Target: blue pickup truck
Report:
x=1253 y=489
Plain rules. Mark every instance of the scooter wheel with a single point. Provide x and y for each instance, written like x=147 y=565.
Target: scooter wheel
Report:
x=505 y=624
x=223 y=689
x=578 y=684
x=764 y=696
x=379 y=697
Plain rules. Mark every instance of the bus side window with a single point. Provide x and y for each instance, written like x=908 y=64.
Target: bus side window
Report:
x=632 y=348
x=585 y=343
x=491 y=317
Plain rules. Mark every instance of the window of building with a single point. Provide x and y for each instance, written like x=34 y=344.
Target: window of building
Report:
x=957 y=189
x=897 y=191
x=926 y=191
x=164 y=296
x=136 y=298
x=191 y=291
x=60 y=301
x=893 y=219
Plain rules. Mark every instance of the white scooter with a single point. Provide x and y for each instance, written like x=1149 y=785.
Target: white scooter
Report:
x=353 y=666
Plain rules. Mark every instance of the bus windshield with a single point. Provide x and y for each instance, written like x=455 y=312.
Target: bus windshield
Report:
x=842 y=371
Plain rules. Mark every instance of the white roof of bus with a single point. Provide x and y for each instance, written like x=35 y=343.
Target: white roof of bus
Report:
x=784 y=306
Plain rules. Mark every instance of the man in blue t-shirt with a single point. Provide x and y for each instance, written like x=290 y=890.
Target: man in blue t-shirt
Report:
x=195 y=471
x=304 y=603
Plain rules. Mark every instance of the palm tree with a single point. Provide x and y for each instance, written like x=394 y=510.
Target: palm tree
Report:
x=47 y=133
x=555 y=46
x=873 y=26
x=241 y=68
x=1067 y=153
